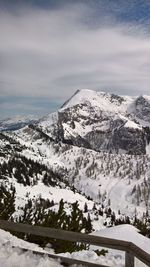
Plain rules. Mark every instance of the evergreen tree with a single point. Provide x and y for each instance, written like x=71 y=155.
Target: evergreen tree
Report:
x=85 y=207
x=88 y=227
x=7 y=202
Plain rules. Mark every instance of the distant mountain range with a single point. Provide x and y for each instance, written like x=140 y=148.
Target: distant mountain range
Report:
x=17 y=122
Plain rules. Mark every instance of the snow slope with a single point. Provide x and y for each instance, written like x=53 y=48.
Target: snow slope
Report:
x=127 y=233
x=14 y=257
x=122 y=179
x=104 y=101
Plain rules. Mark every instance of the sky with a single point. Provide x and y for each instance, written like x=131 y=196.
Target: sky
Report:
x=49 y=49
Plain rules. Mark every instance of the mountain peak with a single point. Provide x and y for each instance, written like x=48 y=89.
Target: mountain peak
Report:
x=104 y=101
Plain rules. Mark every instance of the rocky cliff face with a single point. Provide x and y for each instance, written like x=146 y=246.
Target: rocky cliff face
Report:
x=142 y=108
x=122 y=140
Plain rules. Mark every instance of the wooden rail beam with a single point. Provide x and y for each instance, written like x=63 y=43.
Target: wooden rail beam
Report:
x=140 y=254
x=65 y=235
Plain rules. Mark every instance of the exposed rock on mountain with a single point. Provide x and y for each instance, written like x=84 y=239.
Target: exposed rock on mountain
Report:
x=101 y=121
x=142 y=108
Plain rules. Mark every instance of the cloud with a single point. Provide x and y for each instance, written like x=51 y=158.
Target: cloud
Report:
x=51 y=53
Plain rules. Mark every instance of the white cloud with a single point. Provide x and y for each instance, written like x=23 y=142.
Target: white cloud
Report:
x=53 y=53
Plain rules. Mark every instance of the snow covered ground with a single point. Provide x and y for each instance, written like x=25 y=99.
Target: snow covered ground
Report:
x=14 y=257
x=127 y=233
x=114 y=257
x=10 y=257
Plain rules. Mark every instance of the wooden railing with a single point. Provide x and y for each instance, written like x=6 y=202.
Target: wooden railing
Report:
x=130 y=249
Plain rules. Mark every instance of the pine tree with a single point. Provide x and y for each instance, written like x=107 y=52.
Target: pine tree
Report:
x=85 y=207
x=7 y=203
x=94 y=206
x=76 y=218
x=88 y=228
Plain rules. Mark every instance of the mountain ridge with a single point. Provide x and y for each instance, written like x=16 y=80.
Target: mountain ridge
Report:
x=16 y=122
x=90 y=115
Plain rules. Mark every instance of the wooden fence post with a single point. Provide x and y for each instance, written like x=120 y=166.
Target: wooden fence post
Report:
x=129 y=259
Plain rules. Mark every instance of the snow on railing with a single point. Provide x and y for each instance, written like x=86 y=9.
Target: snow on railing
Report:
x=130 y=249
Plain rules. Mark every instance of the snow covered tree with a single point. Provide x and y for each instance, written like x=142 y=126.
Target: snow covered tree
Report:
x=7 y=202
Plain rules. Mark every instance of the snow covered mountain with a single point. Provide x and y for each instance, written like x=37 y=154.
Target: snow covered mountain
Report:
x=93 y=152
x=102 y=122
